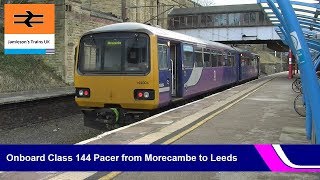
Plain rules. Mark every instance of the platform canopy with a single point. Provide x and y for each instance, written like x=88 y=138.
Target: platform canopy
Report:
x=308 y=14
x=298 y=26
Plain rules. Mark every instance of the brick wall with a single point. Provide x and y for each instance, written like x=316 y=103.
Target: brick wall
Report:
x=79 y=19
x=56 y=61
x=136 y=12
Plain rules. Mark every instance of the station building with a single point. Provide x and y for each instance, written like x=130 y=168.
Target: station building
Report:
x=248 y=15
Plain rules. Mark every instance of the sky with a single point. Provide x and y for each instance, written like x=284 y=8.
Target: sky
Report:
x=226 y=2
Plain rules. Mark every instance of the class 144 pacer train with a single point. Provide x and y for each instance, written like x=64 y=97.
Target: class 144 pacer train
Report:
x=130 y=69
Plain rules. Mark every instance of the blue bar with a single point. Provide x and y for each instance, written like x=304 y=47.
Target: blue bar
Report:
x=25 y=51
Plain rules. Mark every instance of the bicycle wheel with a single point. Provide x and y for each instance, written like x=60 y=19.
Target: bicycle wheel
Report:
x=299 y=105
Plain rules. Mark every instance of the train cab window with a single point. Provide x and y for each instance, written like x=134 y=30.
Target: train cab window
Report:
x=188 y=56
x=114 y=53
x=198 y=58
x=136 y=56
x=111 y=58
x=206 y=57
x=92 y=57
x=163 y=56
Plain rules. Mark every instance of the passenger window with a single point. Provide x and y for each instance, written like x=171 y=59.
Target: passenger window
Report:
x=255 y=62
x=243 y=61
x=221 y=60
x=163 y=56
x=199 y=59
x=188 y=56
x=207 y=61
x=230 y=61
x=214 y=58
x=249 y=62
x=233 y=61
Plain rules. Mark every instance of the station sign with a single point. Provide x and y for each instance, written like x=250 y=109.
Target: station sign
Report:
x=29 y=28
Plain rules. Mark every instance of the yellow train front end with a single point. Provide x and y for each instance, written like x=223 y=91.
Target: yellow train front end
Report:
x=116 y=76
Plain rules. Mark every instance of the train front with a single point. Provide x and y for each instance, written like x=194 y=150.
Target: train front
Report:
x=114 y=76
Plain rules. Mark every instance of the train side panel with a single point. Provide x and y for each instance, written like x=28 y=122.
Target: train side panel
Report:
x=198 y=80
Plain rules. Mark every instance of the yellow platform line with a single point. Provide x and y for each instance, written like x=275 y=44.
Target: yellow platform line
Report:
x=183 y=133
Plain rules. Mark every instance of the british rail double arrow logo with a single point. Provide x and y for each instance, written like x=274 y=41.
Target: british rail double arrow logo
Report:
x=28 y=21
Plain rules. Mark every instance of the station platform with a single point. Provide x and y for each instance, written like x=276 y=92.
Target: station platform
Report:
x=32 y=95
x=257 y=112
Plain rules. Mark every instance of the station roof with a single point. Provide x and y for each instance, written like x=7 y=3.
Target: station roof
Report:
x=216 y=9
x=308 y=14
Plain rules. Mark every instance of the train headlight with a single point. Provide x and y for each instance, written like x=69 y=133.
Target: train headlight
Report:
x=80 y=93
x=83 y=92
x=144 y=94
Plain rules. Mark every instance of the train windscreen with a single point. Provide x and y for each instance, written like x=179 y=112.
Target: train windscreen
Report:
x=114 y=53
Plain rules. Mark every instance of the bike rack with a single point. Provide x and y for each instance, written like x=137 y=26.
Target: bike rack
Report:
x=297 y=21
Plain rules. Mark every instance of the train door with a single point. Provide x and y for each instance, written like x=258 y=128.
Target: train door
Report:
x=258 y=65
x=164 y=72
x=174 y=75
x=187 y=67
x=239 y=65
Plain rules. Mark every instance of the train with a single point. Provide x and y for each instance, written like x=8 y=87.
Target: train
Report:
x=130 y=69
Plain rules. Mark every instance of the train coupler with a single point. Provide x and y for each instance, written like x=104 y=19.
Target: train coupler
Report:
x=105 y=118
x=108 y=116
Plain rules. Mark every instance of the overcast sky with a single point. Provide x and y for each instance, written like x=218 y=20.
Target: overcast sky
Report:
x=226 y=2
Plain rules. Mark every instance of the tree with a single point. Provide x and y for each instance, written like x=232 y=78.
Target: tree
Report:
x=205 y=2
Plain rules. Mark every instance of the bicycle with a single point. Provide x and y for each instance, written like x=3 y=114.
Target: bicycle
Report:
x=299 y=105
x=297 y=85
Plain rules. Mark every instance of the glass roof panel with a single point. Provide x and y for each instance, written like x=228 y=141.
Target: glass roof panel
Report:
x=307 y=1
x=304 y=7
x=308 y=14
x=268 y=10
x=304 y=13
